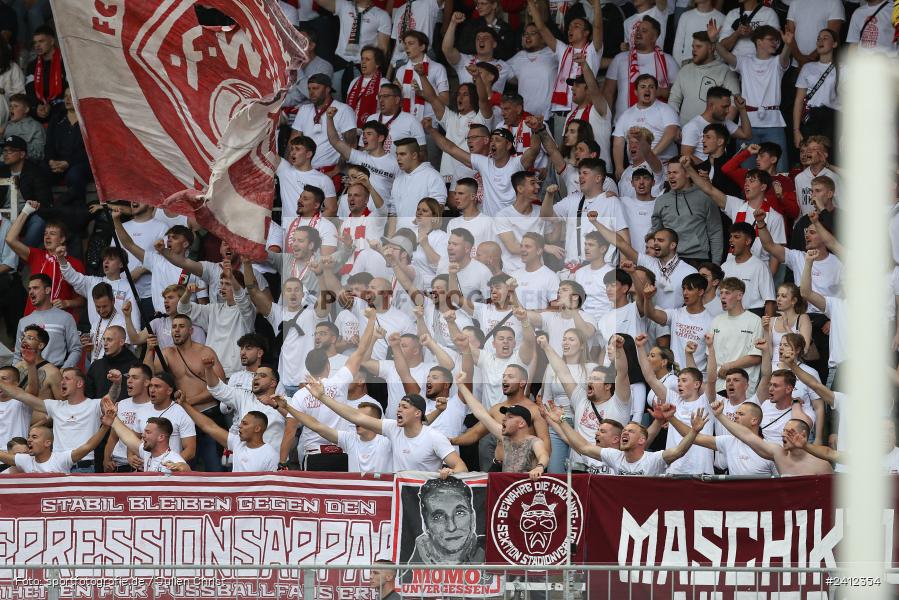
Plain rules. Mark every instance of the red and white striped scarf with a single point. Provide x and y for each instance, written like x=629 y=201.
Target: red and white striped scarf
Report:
x=568 y=69
x=633 y=69
x=358 y=233
x=412 y=102
x=364 y=100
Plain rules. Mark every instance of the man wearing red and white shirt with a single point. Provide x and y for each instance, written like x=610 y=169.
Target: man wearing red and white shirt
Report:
x=43 y=260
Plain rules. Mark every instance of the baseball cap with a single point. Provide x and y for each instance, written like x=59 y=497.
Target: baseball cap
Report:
x=321 y=79
x=14 y=141
x=502 y=131
x=418 y=402
x=518 y=411
x=167 y=378
x=401 y=241
x=574 y=80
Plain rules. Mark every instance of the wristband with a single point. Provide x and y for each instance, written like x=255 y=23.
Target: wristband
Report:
x=28 y=209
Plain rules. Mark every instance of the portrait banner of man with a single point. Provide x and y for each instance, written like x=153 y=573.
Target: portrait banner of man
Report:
x=442 y=522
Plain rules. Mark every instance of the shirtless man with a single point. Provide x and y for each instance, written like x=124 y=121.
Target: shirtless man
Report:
x=789 y=459
x=41 y=378
x=185 y=362
x=515 y=382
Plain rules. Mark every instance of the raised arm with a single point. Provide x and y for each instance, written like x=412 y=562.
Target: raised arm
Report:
x=651 y=380
x=209 y=426
x=477 y=409
x=558 y=366
x=744 y=434
x=124 y=237
x=593 y=89
x=344 y=411
x=329 y=433
x=650 y=310
x=334 y=138
x=614 y=238
x=597 y=22
x=529 y=156
x=260 y=300
x=555 y=416
x=705 y=185
x=12 y=236
x=449 y=39
x=667 y=412
x=768 y=243
x=622 y=380
x=817 y=450
x=444 y=144
x=537 y=17
x=126 y=435
x=723 y=51
x=805 y=283
x=22 y=396
x=696 y=424
x=136 y=337
x=427 y=91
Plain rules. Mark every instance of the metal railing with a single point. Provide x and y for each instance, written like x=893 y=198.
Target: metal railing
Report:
x=314 y=581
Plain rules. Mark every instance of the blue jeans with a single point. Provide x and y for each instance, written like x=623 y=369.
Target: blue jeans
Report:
x=33 y=233
x=89 y=469
x=559 y=455
x=290 y=390
x=777 y=135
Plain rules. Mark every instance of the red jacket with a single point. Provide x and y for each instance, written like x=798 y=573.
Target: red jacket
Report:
x=787 y=206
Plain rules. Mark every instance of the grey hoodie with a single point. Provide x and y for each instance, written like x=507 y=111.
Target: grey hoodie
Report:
x=687 y=95
x=695 y=218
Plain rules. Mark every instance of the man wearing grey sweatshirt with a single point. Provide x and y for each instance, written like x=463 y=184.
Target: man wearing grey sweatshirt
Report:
x=64 y=348
x=692 y=214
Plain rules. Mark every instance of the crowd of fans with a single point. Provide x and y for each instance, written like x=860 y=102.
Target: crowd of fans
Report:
x=512 y=236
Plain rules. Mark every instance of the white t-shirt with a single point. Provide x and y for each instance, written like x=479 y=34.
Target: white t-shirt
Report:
x=761 y=87
x=59 y=462
x=659 y=15
x=638 y=216
x=73 y=424
x=646 y=63
x=383 y=171
x=741 y=459
x=374 y=21
x=456 y=127
x=144 y=234
x=773 y=421
x=182 y=425
x=757 y=277
x=827 y=94
x=735 y=337
x=410 y=188
x=651 y=463
x=686 y=327
x=697 y=459
x=669 y=288
x=810 y=17
x=827 y=274
x=292 y=360
x=536 y=289
x=154 y=464
x=739 y=210
x=536 y=74
x=374 y=456
x=497 y=182
x=691 y=135
x=489 y=316
x=803 y=183
x=689 y=23
x=292 y=181
x=597 y=303
x=481 y=228
x=492 y=368
x=587 y=420
x=621 y=320
x=609 y=213
x=15 y=419
x=164 y=275
x=878 y=32
x=510 y=220
x=449 y=423
x=424 y=452
x=505 y=71
x=336 y=386
x=626 y=184
x=836 y=310
x=656 y=118
x=401 y=125
x=395 y=390
x=128 y=413
x=437 y=78
x=424 y=15
x=745 y=46
x=344 y=120
x=251 y=460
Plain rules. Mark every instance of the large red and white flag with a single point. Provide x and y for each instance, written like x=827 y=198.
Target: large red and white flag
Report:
x=182 y=115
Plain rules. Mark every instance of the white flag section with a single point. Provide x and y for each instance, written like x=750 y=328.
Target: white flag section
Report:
x=182 y=115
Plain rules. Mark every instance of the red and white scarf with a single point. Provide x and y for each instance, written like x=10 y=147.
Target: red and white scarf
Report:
x=357 y=233
x=522 y=134
x=584 y=116
x=364 y=100
x=743 y=216
x=55 y=90
x=298 y=222
x=413 y=103
x=633 y=69
x=568 y=69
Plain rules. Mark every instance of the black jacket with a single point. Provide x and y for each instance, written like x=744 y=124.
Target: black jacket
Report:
x=96 y=385
x=33 y=184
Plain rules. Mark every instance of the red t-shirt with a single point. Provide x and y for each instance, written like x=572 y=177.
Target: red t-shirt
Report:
x=41 y=261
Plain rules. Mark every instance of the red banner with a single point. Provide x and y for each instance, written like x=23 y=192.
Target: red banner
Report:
x=252 y=519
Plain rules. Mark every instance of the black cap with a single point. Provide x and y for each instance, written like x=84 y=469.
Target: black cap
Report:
x=502 y=131
x=517 y=410
x=417 y=402
x=321 y=79
x=166 y=377
x=578 y=79
x=14 y=141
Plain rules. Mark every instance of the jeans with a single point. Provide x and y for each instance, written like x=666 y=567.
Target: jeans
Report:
x=769 y=134
x=290 y=390
x=33 y=233
x=208 y=450
x=559 y=454
x=88 y=469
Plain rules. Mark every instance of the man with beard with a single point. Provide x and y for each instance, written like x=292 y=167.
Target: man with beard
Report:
x=64 y=346
x=260 y=398
x=381 y=164
x=250 y=452
x=704 y=72
x=253 y=351
x=466 y=275
x=41 y=458
x=789 y=458
x=153 y=446
x=514 y=386
x=38 y=375
x=161 y=326
x=445 y=413
x=523 y=452
x=365 y=218
x=183 y=437
x=75 y=417
x=534 y=69
x=449 y=522
x=295 y=173
x=116 y=458
x=400 y=125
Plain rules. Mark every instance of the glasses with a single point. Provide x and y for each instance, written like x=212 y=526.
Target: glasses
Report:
x=11 y=151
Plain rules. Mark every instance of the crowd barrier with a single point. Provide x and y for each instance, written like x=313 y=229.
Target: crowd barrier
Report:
x=316 y=535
